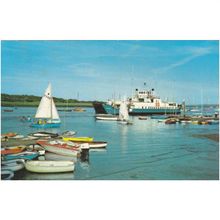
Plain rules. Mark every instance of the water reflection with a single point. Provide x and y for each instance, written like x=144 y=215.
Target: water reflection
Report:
x=56 y=157
x=123 y=137
x=50 y=176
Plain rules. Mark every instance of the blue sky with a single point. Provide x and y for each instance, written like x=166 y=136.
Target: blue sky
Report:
x=97 y=70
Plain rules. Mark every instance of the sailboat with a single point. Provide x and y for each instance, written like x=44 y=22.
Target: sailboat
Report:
x=46 y=115
x=123 y=113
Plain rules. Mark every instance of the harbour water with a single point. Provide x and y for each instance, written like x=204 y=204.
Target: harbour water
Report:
x=146 y=150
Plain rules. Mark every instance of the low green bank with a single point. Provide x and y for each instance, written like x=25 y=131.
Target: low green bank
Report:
x=35 y=104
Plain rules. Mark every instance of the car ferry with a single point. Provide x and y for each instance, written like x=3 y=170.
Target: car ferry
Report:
x=143 y=102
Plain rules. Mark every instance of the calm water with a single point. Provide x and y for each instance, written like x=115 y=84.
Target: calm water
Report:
x=146 y=150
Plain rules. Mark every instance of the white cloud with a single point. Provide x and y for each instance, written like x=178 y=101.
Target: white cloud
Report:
x=191 y=52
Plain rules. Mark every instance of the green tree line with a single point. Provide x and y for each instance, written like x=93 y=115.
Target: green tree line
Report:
x=32 y=98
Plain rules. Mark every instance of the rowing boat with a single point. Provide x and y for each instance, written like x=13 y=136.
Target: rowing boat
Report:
x=107 y=118
x=49 y=166
x=59 y=147
x=7 y=174
x=42 y=134
x=93 y=144
x=23 y=155
x=82 y=139
x=12 y=150
x=10 y=134
x=13 y=165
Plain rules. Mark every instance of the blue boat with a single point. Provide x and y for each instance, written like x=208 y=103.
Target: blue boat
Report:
x=46 y=115
x=142 y=103
x=23 y=155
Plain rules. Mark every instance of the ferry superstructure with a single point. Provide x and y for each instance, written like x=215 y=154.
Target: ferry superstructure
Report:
x=144 y=102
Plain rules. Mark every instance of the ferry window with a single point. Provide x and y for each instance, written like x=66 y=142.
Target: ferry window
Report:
x=141 y=100
x=152 y=100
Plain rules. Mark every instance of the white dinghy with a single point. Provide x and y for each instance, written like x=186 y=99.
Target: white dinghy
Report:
x=47 y=115
x=49 y=166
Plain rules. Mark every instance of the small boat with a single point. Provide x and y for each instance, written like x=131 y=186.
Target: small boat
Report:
x=64 y=110
x=42 y=134
x=18 y=136
x=28 y=138
x=195 y=122
x=185 y=121
x=10 y=134
x=49 y=166
x=7 y=174
x=161 y=120
x=142 y=118
x=13 y=165
x=82 y=139
x=115 y=118
x=46 y=115
x=213 y=122
x=36 y=148
x=8 y=110
x=68 y=133
x=12 y=150
x=203 y=122
x=78 y=109
x=93 y=144
x=170 y=121
x=23 y=155
x=3 y=162
x=59 y=147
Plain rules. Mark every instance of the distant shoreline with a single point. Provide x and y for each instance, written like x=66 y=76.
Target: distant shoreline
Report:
x=36 y=104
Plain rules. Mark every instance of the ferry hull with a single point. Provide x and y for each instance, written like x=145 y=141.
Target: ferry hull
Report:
x=108 y=109
x=154 y=111
x=51 y=125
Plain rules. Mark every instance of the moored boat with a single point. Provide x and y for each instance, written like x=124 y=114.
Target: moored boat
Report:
x=41 y=134
x=185 y=121
x=8 y=110
x=79 y=109
x=12 y=150
x=50 y=166
x=23 y=155
x=7 y=174
x=10 y=134
x=18 y=136
x=107 y=118
x=59 y=147
x=93 y=144
x=170 y=121
x=82 y=139
x=36 y=148
x=13 y=165
x=68 y=133
x=142 y=118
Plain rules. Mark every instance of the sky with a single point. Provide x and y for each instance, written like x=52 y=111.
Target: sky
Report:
x=101 y=70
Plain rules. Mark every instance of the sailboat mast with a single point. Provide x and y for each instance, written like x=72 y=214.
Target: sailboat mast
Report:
x=51 y=111
x=51 y=104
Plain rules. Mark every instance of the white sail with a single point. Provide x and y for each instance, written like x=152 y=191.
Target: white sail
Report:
x=123 y=112
x=47 y=108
